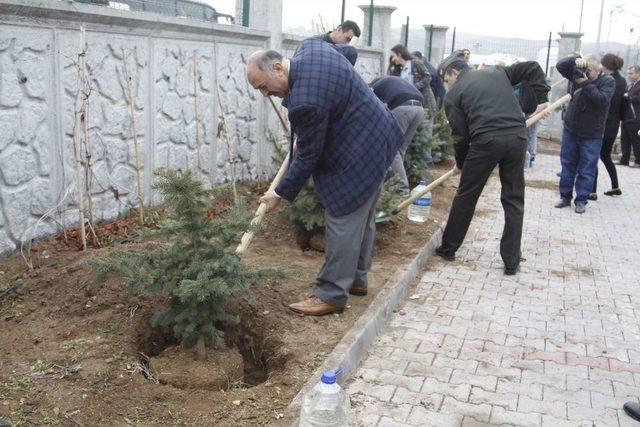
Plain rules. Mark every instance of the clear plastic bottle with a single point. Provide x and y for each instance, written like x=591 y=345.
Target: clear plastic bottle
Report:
x=419 y=210
x=527 y=160
x=326 y=404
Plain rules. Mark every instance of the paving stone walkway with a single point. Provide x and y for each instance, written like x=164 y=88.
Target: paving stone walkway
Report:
x=557 y=345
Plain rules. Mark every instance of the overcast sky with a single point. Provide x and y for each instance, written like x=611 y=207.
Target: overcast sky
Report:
x=531 y=19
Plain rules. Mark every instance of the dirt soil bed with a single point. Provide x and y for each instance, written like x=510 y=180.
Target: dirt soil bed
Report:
x=76 y=353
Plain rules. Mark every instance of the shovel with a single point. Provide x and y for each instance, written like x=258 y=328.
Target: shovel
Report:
x=262 y=209
x=384 y=216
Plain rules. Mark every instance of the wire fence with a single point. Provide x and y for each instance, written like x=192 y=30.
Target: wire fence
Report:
x=492 y=50
x=177 y=8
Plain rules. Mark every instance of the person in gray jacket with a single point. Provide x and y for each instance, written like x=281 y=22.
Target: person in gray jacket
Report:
x=488 y=129
x=405 y=103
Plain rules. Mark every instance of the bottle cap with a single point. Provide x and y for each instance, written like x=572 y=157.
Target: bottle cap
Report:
x=423 y=182
x=328 y=377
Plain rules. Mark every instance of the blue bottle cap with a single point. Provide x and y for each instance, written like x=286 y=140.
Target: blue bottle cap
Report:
x=328 y=377
x=423 y=182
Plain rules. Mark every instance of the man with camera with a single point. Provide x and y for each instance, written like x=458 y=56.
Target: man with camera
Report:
x=584 y=122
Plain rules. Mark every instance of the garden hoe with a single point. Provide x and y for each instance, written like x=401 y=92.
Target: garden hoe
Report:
x=262 y=209
x=384 y=216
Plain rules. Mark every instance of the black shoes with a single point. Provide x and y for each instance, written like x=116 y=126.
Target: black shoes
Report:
x=614 y=192
x=563 y=203
x=510 y=271
x=633 y=410
x=445 y=255
x=581 y=208
x=592 y=196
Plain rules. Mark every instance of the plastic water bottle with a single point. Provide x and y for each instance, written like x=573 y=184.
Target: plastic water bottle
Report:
x=326 y=404
x=419 y=210
x=527 y=159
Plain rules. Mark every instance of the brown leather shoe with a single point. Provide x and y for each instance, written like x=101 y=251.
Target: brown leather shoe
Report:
x=314 y=306
x=358 y=290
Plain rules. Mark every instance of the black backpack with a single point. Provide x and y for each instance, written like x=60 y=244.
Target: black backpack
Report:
x=527 y=97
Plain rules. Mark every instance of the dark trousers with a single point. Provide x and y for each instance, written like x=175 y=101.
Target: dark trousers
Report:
x=605 y=156
x=508 y=152
x=629 y=140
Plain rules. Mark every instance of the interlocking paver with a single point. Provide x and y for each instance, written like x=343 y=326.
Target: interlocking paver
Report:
x=558 y=344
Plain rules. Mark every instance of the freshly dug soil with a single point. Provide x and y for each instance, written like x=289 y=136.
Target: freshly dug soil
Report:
x=76 y=353
x=178 y=367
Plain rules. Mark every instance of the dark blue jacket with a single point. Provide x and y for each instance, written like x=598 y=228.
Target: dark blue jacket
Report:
x=586 y=113
x=346 y=137
x=437 y=85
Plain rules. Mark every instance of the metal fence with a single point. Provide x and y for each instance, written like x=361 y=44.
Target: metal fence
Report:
x=491 y=50
x=178 y=8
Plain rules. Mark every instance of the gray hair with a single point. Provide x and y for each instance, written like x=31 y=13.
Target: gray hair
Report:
x=635 y=68
x=592 y=61
x=265 y=60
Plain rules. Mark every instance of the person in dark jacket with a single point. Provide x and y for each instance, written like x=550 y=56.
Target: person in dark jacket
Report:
x=630 y=139
x=414 y=71
x=611 y=65
x=346 y=139
x=406 y=105
x=488 y=129
x=437 y=85
x=584 y=123
x=342 y=34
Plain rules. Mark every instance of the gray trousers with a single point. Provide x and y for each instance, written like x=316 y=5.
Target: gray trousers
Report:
x=348 y=252
x=409 y=118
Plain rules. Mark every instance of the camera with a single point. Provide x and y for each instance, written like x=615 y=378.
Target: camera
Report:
x=579 y=73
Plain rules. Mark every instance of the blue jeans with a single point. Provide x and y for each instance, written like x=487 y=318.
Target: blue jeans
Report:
x=579 y=158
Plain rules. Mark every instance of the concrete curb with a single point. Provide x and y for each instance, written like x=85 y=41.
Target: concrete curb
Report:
x=353 y=347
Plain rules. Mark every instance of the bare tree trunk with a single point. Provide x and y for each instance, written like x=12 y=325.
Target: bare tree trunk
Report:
x=87 y=150
x=232 y=167
x=197 y=114
x=132 y=113
x=201 y=349
x=76 y=137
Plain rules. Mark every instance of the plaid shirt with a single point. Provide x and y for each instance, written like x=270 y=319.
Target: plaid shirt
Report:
x=346 y=137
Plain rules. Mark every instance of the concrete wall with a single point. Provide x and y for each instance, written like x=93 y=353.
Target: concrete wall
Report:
x=39 y=46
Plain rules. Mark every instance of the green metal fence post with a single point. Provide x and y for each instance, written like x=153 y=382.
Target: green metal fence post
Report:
x=406 y=34
x=546 y=68
x=453 y=42
x=430 y=42
x=246 y=5
x=370 y=24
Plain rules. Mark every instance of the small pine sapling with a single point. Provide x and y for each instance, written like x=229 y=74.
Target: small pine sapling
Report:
x=442 y=141
x=306 y=209
x=390 y=196
x=197 y=269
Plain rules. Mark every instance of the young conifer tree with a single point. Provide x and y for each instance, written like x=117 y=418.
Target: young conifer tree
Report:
x=197 y=268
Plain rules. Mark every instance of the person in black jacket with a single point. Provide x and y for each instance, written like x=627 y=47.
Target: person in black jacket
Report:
x=584 y=122
x=437 y=85
x=342 y=34
x=611 y=64
x=488 y=128
x=414 y=71
x=406 y=105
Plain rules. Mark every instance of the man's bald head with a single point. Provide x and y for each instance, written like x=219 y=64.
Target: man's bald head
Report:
x=266 y=72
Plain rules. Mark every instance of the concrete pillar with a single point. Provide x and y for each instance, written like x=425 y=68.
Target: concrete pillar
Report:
x=381 y=35
x=438 y=43
x=568 y=43
x=264 y=15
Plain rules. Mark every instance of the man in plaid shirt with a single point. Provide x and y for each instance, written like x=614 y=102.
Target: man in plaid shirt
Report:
x=346 y=139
